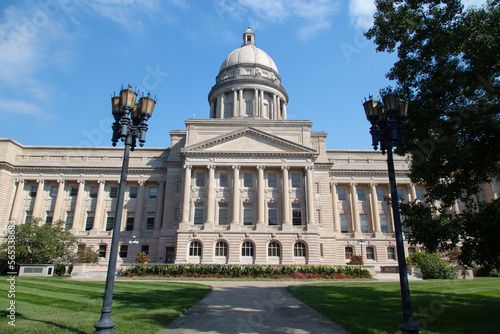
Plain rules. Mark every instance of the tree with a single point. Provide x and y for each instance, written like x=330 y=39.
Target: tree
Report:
x=39 y=243
x=449 y=70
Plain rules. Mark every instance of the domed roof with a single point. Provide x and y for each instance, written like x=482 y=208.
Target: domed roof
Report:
x=248 y=54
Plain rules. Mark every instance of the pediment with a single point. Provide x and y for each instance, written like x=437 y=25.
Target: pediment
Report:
x=248 y=141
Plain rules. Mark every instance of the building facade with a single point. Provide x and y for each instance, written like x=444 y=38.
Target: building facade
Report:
x=245 y=185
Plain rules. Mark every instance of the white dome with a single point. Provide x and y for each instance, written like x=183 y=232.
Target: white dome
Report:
x=248 y=54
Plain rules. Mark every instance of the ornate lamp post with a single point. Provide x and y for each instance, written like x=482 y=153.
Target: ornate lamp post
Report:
x=361 y=242
x=387 y=129
x=130 y=125
x=133 y=242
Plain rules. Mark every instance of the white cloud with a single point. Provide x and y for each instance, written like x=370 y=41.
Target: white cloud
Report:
x=361 y=13
x=17 y=107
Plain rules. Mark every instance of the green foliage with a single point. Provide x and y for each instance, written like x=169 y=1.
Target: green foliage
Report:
x=41 y=243
x=432 y=266
x=141 y=257
x=70 y=269
x=60 y=269
x=356 y=259
x=86 y=255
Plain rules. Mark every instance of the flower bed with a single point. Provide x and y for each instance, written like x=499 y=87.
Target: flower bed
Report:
x=251 y=271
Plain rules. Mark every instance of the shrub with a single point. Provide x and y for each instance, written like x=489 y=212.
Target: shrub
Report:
x=485 y=271
x=70 y=269
x=356 y=259
x=141 y=257
x=432 y=266
x=60 y=269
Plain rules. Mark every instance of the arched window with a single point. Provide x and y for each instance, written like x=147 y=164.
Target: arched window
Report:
x=247 y=249
x=195 y=248
x=299 y=249
x=221 y=249
x=274 y=249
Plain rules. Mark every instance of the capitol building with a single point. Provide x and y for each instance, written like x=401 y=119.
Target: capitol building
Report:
x=244 y=185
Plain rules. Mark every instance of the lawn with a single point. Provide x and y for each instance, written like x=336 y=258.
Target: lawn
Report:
x=60 y=305
x=440 y=306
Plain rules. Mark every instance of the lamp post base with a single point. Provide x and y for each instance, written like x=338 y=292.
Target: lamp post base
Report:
x=105 y=324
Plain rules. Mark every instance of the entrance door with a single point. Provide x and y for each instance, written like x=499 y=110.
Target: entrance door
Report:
x=170 y=255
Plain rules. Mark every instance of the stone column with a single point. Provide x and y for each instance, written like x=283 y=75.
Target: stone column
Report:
x=456 y=209
x=284 y=110
x=17 y=207
x=375 y=209
x=159 y=205
x=186 y=202
x=139 y=208
x=278 y=108
x=235 y=223
x=99 y=222
x=217 y=108
x=212 y=109
x=222 y=106
x=261 y=109
x=354 y=210
x=287 y=224
x=235 y=104
x=38 y=207
x=209 y=222
x=413 y=193
x=274 y=109
x=58 y=208
x=335 y=207
x=256 y=104
x=242 y=104
x=261 y=199
x=309 y=195
x=78 y=216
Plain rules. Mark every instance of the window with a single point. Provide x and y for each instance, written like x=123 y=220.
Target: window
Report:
x=272 y=213
x=420 y=194
x=145 y=249
x=247 y=180
x=299 y=249
x=110 y=221
x=90 y=221
x=177 y=215
x=113 y=192
x=297 y=214
x=69 y=219
x=195 y=248
x=247 y=213
x=34 y=190
x=179 y=187
x=273 y=249
x=123 y=251
x=221 y=249
x=132 y=192
x=341 y=194
x=248 y=108
x=317 y=216
x=198 y=213
x=93 y=192
x=200 y=179
x=247 y=249
x=316 y=188
x=73 y=192
x=130 y=222
x=224 y=179
x=102 y=250
x=363 y=221
x=271 y=180
x=228 y=112
x=391 y=254
x=383 y=224
x=370 y=253
x=400 y=195
x=343 y=224
x=380 y=195
x=348 y=253
x=361 y=194
x=295 y=180
x=411 y=250
x=223 y=211
x=53 y=192
x=153 y=192
x=50 y=216
x=150 y=221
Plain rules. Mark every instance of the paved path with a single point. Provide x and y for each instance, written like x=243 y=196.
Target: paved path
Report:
x=251 y=307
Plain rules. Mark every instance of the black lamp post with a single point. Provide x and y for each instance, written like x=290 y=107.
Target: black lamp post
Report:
x=130 y=124
x=387 y=129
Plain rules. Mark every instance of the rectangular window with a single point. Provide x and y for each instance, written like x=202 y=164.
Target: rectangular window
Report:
x=380 y=195
x=177 y=215
x=90 y=221
x=50 y=216
x=69 y=219
x=153 y=192
x=363 y=221
x=110 y=221
x=73 y=192
x=145 y=249
x=132 y=192
x=200 y=179
x=129 y=226
x=370 y=253
x=297 y=214
x=123 y=251
x=34 y=190
x=93 y=192
x=224 y=180
x=420 y=194
x=400 y=194
x=223 y=214
x=271 y=180
x=316 y=188
x=102 y=250
x=341 y=194
x=317 y=216
x=179 y=187
x=348 y=253
x=150 y=221
x=295 y=180
x=228 y=112
x=198 y=213
x=391 y=255
x=248 y=108
x=343 y=224
x=383 y=223
x=53 y=191
x=247 y=214
x=272 y=213
x=361 y=194
x=113 y=192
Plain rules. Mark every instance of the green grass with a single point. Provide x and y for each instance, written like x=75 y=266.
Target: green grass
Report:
x=59 y=305
x=440 y=306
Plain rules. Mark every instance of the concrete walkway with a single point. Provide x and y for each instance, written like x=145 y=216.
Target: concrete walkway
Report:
x=251 y=307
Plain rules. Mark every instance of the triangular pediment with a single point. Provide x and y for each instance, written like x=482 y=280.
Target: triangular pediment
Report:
x=248 y=141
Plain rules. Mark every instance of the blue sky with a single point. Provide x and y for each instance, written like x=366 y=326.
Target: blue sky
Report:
x=61 y=60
